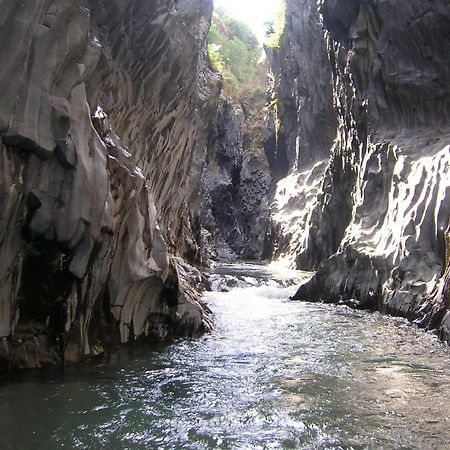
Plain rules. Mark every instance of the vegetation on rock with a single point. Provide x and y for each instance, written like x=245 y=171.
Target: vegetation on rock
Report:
x=275 y=27
x=234 y=52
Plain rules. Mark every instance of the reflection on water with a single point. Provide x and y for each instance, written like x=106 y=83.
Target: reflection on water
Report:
x=273 y=374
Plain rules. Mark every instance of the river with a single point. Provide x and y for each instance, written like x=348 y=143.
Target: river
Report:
x=273 y=374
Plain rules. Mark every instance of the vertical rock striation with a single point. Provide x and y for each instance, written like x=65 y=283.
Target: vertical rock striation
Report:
x=222 y=233
x=374 y=207
x=235 y=185
x=102 y=140
x=307 y=127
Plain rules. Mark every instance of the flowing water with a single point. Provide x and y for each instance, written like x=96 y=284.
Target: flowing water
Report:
x=273 y=374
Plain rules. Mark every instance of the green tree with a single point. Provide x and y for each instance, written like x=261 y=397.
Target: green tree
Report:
x=233 y=51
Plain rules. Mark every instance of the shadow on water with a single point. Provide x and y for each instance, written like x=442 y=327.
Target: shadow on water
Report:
x=273 y=374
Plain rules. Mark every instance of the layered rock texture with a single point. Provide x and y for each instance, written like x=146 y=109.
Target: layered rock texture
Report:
x=235 y=184
x=121 y=165
x=102 y=133
x=363 y=140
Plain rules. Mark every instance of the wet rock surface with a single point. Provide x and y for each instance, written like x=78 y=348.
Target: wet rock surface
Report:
x=102 y=142
x=375 y=226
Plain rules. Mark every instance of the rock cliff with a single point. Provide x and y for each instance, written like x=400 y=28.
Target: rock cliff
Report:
x=363 y=111
x=121 y=165
x=103 y=114
x=236 y=183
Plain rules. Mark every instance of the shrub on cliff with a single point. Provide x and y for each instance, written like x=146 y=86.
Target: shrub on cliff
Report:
x=275 y=27
x=233 y=51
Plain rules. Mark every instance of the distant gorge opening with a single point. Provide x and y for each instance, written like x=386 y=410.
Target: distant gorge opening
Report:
x=246 y=155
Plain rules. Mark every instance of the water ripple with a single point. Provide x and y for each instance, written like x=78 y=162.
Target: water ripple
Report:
x=273 y=374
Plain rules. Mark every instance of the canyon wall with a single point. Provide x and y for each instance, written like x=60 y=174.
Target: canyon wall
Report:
x=363 y=112
x=121 y=165
x=103 y=132
x=235 y=184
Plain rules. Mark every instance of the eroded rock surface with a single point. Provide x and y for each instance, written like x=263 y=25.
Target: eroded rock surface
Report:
x=102 y=135
x=235 y=186
x=374 y=227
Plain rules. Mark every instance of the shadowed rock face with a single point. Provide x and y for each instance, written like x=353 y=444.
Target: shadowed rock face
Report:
x=102 y=135
x=235 y=187
x=375 y=225
x=305 y=98
x=106 y=112
x=222 y=232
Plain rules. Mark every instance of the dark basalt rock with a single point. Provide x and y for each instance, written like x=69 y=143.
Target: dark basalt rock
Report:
x=434 y=312
x=372 y=221
x=304 y=96
x=235 y=187
x=93 y=226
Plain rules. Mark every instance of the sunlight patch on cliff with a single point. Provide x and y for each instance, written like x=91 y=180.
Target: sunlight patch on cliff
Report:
x=294 y=202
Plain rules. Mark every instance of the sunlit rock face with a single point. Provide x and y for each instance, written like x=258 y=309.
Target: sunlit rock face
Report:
x=102 y=133
x=375 y=227
x=298 y=147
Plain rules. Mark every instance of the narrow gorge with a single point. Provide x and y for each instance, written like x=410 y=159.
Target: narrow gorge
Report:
x=364 y=138
x=151 y=206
